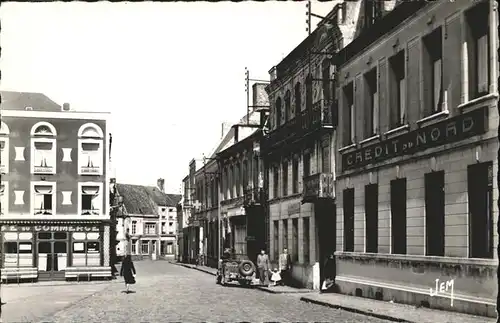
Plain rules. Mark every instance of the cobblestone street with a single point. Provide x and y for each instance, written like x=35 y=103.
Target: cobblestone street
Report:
x=164 y=293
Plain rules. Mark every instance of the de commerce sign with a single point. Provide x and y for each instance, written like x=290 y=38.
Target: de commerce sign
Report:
x=50 y=228
x=451 y=130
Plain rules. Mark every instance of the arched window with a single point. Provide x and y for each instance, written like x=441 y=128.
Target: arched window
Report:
x=298 y=98
x=90 y=149
x=4 y=148
x=278 y=112
x=288 y=105
x=43 y=148
x=309 y=95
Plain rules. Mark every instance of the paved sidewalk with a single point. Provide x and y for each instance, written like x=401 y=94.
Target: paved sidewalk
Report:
x=384 y=310
x=391 y=311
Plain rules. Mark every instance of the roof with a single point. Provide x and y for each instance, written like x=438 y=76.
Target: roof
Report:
x=12 y=100
x=139 y=199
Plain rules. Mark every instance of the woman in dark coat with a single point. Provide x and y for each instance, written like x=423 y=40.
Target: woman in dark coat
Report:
x=128 y=271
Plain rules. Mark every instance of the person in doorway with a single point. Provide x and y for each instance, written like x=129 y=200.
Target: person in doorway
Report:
x=285 y=264
x=263 y=267
x=128 y=272
x=328 y=274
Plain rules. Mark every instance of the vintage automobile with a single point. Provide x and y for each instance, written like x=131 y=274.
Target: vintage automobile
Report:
x=235 y=268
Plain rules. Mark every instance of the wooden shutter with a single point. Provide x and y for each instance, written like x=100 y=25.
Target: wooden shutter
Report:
x=438 y=85
x=359 y=115
x=482 y=64
x=402 y=101
x=382 y=96
x=413 y=79
x=452 y=63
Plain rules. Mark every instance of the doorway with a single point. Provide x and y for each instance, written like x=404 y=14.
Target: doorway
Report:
x=52 y=255
x=325 y=218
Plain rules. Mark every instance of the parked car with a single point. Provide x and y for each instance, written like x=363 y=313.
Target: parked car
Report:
x=232 y=268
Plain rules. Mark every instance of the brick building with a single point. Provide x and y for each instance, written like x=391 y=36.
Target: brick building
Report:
x=54 y=203
x=299 y=149
x=417 y=152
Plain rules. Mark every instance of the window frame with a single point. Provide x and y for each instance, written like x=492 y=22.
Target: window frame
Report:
x=18 y=241
x=94 y=139
x=398 y=80
x=54 y=198
x=100 y=186
x=5 y=152
x=85 y=241
x=4 y=199
x=433 y=54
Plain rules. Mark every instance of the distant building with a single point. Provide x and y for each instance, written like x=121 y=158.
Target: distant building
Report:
x=54 y=212
x=150 y=220
x=183 y=215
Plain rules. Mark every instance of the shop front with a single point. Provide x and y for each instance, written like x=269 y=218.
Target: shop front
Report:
x=48 y=251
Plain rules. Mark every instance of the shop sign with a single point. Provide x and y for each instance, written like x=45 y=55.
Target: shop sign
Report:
x=448 y=131
x=50 y=228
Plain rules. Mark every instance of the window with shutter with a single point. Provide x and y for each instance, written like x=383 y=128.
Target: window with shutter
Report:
x=433 y=72
x=477 y=49
x=437 y=83
x=397 y=90
x=371 y=105
x=402 y=101
x=348 y=115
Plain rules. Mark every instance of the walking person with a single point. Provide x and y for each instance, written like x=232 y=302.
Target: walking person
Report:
x=128 y=272
x=285 y=264
x=263 y=267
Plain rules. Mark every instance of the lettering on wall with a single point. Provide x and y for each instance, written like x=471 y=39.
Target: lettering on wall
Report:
x=443 y=287
x=450 y=130
x=50 y=228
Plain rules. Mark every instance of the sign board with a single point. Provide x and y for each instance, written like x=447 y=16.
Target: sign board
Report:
x=50 y=228
x=293 y=208
x=448 y=131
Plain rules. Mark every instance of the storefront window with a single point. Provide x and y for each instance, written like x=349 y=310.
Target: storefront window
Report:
x=86 y=249
x=18 y=249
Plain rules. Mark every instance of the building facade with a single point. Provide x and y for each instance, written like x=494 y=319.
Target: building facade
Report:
x=299 y=149
x=183 y=215
x=54 y=190
x=417 y=152
x=150 y=220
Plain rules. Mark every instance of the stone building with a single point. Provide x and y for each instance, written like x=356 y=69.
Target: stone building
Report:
x=299 y=148
x=54 y=213
x=417 y=152
x=150 y=220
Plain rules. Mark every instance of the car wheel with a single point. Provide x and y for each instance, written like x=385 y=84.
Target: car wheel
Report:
x=246 y=268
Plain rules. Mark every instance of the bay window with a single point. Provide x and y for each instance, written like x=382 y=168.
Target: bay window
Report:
x=86 y=249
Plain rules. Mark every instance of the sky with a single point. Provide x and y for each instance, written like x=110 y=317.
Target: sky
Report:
x=169 y=73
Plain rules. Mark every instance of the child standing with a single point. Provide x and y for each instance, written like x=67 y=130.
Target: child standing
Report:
x=275 y=277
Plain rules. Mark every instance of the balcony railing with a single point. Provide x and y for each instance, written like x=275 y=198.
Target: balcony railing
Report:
x=321 y=116
x=43 y=169
x=90 y=170
x=318 y=186
x=253 y=196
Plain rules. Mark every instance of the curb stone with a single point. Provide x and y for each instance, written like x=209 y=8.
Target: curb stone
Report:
x=355 y=310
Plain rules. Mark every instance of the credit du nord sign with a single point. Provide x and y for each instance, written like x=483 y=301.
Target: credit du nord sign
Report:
x=451 y=130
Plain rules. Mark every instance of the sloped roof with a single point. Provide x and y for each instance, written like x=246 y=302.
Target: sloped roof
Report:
x=139 y=199
x=12 y=100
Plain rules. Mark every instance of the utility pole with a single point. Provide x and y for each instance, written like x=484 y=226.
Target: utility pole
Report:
x=308 y=14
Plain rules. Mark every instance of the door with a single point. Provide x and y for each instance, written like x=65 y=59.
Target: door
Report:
x=325 y=217
x=52 y=256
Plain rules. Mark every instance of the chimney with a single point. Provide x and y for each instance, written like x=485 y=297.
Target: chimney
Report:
x=259 y=96
x=65 y=107
x=161 y=184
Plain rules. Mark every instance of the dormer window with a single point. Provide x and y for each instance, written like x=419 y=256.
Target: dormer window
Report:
x=90 y=199
x=43 y=148
x=4 y=148
x=90 y=150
